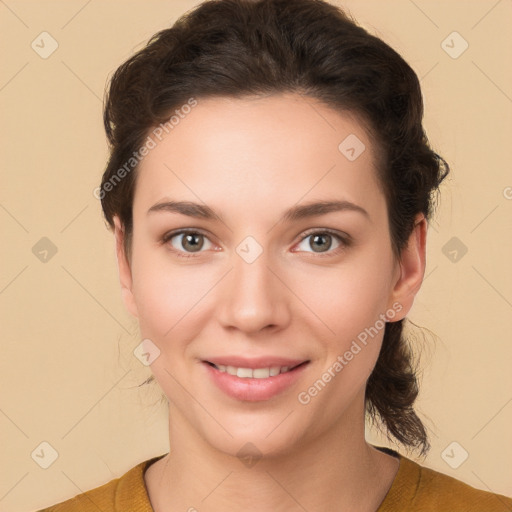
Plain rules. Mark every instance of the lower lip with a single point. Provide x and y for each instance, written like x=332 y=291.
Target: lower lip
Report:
x=250 y=389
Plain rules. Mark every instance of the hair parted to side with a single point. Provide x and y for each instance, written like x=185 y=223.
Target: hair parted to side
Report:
x=235 y=48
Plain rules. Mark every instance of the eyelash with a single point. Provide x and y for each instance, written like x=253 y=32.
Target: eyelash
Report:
x=345 y=242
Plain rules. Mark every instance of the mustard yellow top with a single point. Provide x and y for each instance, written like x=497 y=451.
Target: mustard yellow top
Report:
x=414 y=489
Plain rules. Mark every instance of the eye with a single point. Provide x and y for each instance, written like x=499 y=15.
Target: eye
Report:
x=187 y=242
x=322 y=242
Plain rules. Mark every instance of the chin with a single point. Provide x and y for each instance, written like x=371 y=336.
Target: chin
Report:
x=268 y=432
x=256 y=443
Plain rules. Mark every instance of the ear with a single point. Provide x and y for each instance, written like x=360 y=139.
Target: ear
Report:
x=411 y=268
x=125 y=273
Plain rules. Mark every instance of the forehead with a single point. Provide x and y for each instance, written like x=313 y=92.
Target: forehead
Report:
x=260 y=152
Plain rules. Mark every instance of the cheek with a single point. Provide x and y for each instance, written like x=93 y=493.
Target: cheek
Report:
x=169 y=301
x=172 y=301
x=348 y=298
x=166 y=300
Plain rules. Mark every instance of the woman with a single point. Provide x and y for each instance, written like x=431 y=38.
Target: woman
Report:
x=269 y=187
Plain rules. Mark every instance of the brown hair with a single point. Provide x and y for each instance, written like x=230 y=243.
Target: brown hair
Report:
x=235 y=48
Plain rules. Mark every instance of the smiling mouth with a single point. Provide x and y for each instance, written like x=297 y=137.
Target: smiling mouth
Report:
x=255 y=373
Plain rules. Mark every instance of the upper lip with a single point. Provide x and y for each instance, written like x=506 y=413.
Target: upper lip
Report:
x=256 y=362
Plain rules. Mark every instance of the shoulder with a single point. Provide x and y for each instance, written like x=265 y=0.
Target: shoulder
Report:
x=99 y=498
x=420 y=488
x=127 y=492
x=443 y=490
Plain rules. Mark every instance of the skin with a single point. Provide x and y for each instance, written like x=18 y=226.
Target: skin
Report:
x=249 y=160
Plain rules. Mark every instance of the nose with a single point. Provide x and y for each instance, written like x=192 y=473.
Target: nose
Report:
x=254 y=298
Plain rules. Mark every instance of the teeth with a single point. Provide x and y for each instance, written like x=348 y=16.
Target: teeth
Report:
x=256 y=373
x=244 y=372
x=275 y=370
x=261 y=373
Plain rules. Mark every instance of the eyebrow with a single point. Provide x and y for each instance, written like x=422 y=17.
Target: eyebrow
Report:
x=298 y=212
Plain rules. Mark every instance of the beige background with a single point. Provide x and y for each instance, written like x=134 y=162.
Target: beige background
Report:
x=68 y=376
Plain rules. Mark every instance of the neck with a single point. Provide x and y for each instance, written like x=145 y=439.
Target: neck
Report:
x=338 y=471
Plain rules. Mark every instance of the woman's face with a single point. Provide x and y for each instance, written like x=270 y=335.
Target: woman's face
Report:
x=289 y=296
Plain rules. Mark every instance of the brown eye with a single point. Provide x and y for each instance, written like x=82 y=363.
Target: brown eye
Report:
x=192 y=242
x=323 y=242
x=320 y=242
x=184 y=242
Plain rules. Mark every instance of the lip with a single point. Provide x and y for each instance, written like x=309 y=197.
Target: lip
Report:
x=251 y=389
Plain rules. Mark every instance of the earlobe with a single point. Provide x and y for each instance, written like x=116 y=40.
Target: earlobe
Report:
x=125 y=273
x=411 y=268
